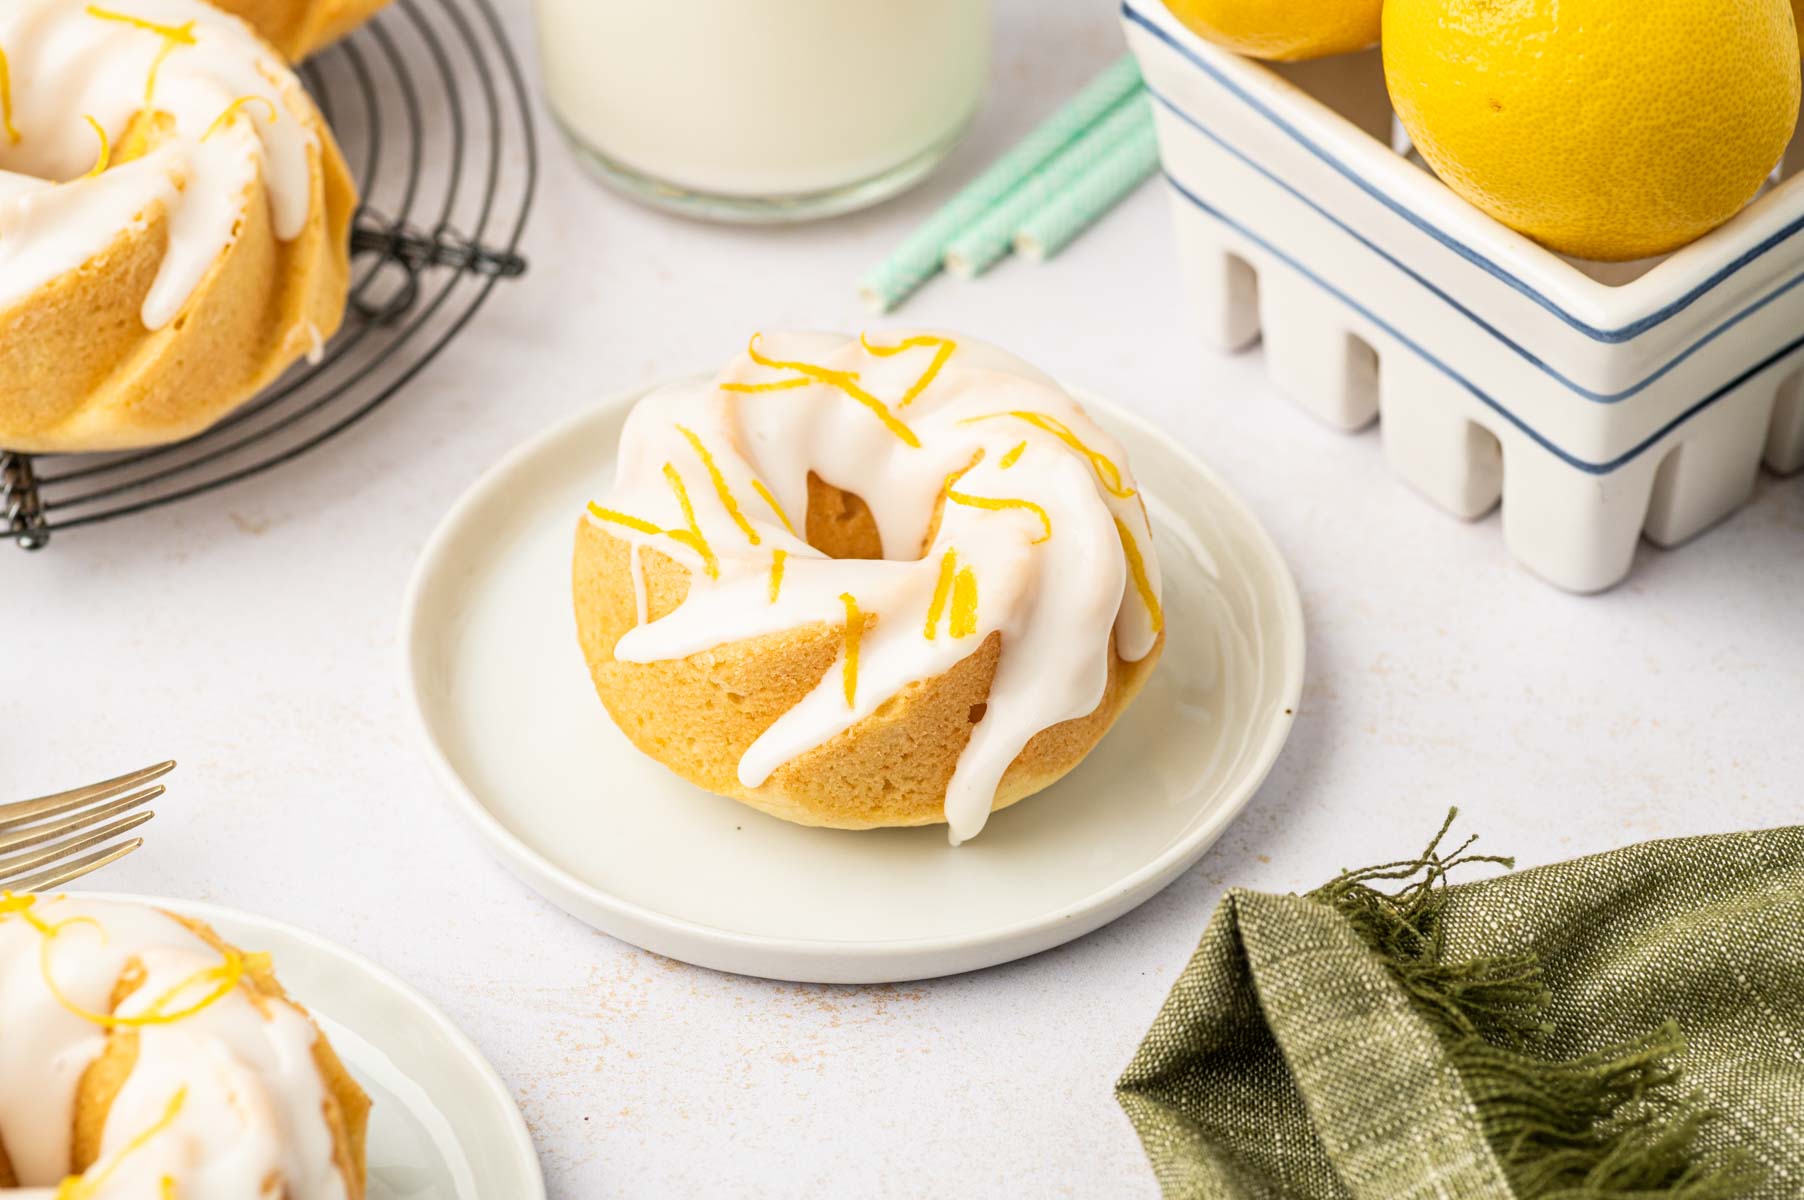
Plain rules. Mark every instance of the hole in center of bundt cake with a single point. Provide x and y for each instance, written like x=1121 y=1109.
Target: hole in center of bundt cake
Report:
x=839 y=523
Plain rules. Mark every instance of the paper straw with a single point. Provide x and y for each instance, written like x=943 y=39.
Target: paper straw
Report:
x=918 y=258
x=1122 y=170
x=984 y=244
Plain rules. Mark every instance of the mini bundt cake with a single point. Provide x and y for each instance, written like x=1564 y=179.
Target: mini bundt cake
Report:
x=865 y=583
x=174 y=222
x=140 y=1056
x=298 y=28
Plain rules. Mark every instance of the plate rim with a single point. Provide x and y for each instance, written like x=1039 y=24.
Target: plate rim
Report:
x=519 y=1136
x=538 y=872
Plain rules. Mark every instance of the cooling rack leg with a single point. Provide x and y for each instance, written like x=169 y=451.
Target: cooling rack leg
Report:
x=20 y=501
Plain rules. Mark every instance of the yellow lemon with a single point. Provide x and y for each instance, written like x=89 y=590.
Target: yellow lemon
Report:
x=1283 y=29
x=1608 y=129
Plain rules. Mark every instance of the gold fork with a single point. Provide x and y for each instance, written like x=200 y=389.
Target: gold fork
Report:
x=47 y=833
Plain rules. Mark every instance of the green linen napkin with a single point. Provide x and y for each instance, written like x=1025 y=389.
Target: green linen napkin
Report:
x=1625 y=1025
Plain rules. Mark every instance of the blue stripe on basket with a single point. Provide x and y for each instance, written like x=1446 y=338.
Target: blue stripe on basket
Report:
x=1527 y=355
x=1590 y=468
x=1626 y=333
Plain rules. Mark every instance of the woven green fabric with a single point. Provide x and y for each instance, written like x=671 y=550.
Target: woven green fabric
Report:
x=1625 y=1025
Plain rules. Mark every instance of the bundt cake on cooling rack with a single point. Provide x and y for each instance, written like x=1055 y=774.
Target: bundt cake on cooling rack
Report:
x=898 y=580
x=298 y=28
x=140 y=1056
x=174 y=221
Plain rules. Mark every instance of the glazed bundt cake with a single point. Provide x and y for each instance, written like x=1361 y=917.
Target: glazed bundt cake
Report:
x=174 y=221
x=142 y=1056
x=865 y=583
x=298 y=28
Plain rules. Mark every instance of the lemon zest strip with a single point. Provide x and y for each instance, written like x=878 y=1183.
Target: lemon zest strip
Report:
x=1105 y=467
x=941 y=590
x=1012 y=457
x=996 y=504
x=231 y=110
x=854 y=634
x=82 y=1187
x=764 y=495
x=781 y=385
x=106 y=149
x=1137 y=568
x=620 y=518
x=691 y=537
x=6 y=100
x=846 y=382
x=944 y=349
x=963 y=622
x=776 y=572
x=720 y=485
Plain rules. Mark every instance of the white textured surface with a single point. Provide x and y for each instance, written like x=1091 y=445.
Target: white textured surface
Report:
x=252 y=636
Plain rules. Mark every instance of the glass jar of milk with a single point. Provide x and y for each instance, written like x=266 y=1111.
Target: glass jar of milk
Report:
x=768 y=110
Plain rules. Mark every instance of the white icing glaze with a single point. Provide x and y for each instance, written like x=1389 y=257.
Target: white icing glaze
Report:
x=1055 y=599
x=67 y=64
x=252 y=1097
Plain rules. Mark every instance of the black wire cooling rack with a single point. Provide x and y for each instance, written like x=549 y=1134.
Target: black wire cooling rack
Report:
x=429 y=106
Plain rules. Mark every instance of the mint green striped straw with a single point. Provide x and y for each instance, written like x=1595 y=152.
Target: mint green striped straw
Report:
x=1119 y=172
x=918 y=258
x=984 y=244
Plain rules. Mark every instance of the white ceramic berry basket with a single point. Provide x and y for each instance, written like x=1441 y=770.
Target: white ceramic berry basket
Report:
x=1598 y=402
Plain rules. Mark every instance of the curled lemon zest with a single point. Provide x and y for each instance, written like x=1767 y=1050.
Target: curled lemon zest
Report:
x=225 y=975
x=953 y=477
x=1137 y=568
x=1012 y=457
x=764 y=495
x=106 y=149
x=720 y=485
x=963 y=622
x=854 y=634
x=941 y=589
x=776 y=572
x=83 y=1187
x=996 y=504
x=620 y=518
x=172 y=35
x=6 y=99
x=943 y=351
x=182 y=34
x=231 y=110
x=1106 y=469
x=846 y=382
x=691 y=537
x=781 y=385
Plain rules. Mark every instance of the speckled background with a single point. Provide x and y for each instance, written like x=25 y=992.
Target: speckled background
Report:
x=252 y=634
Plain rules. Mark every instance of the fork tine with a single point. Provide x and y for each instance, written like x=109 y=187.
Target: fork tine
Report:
x=31 y=835
x=44 y=855
x=55 y=805
x=63 y=872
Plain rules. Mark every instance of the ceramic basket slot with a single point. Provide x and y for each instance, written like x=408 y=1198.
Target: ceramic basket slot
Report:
x=1596 y=402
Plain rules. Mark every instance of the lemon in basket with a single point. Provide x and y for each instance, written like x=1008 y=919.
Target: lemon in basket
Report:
x=1606 y=129
x=1286 y=30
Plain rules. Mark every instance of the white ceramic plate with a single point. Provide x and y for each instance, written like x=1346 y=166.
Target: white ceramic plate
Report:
x=443 y=1125
x=516 y=734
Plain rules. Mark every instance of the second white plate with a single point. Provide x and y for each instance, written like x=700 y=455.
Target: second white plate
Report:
x=513 y=729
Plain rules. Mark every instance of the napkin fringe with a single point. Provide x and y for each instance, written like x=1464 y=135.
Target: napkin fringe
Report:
x=1607 y=1126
